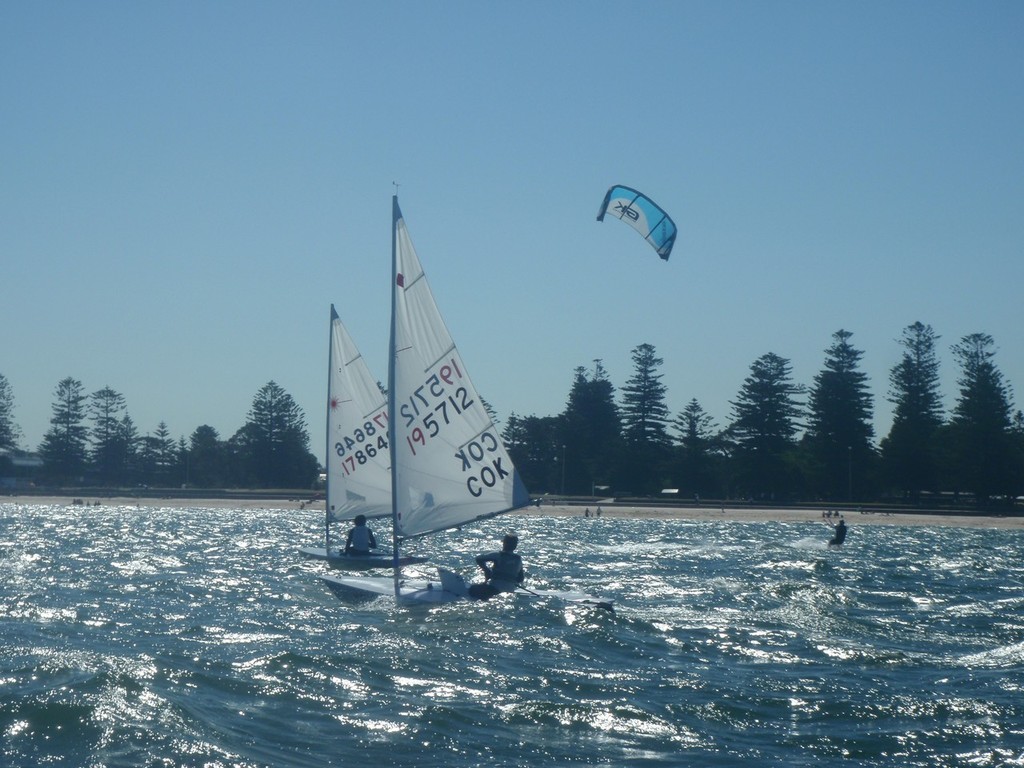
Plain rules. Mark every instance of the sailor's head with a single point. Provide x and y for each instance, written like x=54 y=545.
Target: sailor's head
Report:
x=360 y=520
x=509 y=542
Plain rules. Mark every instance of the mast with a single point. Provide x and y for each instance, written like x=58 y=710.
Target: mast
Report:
x=396 y=214
x=327 y=435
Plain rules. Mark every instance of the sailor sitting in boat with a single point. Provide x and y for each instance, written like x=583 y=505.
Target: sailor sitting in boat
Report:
x=360 y=538
x=503 y=570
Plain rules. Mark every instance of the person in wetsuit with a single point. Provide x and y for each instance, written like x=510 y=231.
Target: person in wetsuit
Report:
x=503 y=570
x=840 y=535
x=360 y=538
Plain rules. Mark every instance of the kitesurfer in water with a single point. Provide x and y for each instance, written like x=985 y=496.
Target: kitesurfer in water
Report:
x=840 y=535
x=360 y=538
x=503 y=570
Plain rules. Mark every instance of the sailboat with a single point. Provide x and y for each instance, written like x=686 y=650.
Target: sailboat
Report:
x=358 y=459
x=449 y=465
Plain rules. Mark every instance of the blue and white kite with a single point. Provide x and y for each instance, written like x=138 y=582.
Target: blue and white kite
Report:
x=641 y=213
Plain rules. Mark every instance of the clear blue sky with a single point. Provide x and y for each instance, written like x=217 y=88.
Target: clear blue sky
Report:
x=186 y=187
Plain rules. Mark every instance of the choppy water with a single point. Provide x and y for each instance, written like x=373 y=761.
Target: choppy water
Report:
x=198 y=637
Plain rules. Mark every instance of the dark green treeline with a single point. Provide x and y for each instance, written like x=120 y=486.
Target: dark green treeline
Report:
x=785 y=441
x=92 y=441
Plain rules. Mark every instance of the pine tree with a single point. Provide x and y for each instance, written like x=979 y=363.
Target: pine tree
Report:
x=9 y=432
x=273 y=445
x=980 y=439
x=513 y=436
x=207 y=459
x=165 y=456
x=1017 y=454
x=146 y=455
x=590 y=432
x=695 y=427
x=645 y=418
x=766 y=417
x=910 y=459
x=644 y=413
x=131 y=467
x=181 y=463
x=534 y=445
x=839 y=430
x=64 y=445
x=109 y=451
x=699 y=451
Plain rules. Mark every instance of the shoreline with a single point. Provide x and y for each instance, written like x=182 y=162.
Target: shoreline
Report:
x=709 y=513
x=779 y=515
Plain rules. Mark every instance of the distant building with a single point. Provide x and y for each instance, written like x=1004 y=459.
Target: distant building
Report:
x=19 y=469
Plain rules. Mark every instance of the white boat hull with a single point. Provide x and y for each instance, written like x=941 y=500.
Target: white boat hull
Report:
x=414 y=591
x=338 y=559
x=447 y=588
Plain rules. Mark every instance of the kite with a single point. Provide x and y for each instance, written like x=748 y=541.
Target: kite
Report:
x=643 y=214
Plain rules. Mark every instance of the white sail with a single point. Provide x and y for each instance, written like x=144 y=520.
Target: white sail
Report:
x=449 y=464
x=358 y=459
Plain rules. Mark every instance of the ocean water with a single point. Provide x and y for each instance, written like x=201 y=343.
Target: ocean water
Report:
x=199 y=637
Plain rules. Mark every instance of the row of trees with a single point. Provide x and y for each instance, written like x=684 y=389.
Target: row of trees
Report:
x=785 y=441
x=93 y=441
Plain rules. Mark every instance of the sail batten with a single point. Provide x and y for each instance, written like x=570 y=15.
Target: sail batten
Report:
x=477 y=519
x=472 y=438
x=443 y=355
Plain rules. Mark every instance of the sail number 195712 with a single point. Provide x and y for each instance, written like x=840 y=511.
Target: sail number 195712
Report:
x=435 y=404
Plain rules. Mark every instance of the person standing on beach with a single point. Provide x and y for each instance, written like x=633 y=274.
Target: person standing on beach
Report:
x=840 y=535
x=503 y=570
x=360 y=538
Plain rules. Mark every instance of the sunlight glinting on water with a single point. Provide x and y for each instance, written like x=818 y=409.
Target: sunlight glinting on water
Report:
x=133 y=635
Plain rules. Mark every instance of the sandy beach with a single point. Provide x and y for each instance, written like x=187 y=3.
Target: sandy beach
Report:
x=708 y=513
x=779 y=514
x=239 y=502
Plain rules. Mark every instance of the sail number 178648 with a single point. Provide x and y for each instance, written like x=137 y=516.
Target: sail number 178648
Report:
x=363 y=443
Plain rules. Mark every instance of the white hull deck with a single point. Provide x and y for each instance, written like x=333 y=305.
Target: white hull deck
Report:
x=336 y=558
x=448 y=587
